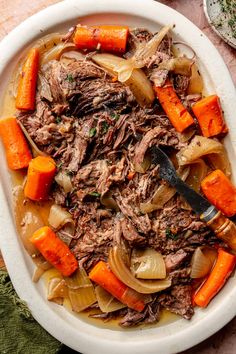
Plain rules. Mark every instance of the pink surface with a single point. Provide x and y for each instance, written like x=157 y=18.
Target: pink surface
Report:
x=15 y=11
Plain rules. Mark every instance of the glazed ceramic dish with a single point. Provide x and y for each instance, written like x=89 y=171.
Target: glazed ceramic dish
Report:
x=74 y=331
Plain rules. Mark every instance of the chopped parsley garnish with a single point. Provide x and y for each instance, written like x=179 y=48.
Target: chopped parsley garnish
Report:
x=58 y=120
x=92 y=132
x=59 y=166
x=70 y=78
x=115 y=116
x=105 y=127
x=170 y=234
x=95 y=194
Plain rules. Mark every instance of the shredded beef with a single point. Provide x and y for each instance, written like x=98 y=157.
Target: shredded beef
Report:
x=93 y=127
x=174 y=260
x=179 y=301
x=150 y=314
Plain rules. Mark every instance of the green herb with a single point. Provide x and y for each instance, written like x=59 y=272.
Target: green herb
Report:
x=58 y=120
x=105 y=127
x=170 y=234
x=92 y=132
x=95 y=194
x=70 y=78
x=59 y=166
x=115 y=116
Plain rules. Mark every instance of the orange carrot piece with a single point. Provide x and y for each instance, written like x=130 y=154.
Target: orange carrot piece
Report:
x=131 y=175
x=220 y=192
x=40 y=176
x=210 y=116
x=25 y=99
x=108 y=38
x=17 y=150
x=173 y=107
x=222 y=269
x=54 y=250
x=104 y=277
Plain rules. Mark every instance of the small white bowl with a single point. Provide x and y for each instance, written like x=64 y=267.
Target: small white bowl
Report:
x=65 y=326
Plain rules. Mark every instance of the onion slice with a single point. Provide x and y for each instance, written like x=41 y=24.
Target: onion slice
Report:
x=140 y=58
x=148 y=264
x=202 y=261
x=27 y=219
x=47 y=42
x=55 y=52
x=179 y=65
x=59 y=217
x=137 y=81
x=57 y=289
x=35 y=149
x=163 y=194
x=108 y=201
x=106 y=301
x=80 y=290
x=122 y=272
x=201 y=146
x=195 y=82
x=64 y=181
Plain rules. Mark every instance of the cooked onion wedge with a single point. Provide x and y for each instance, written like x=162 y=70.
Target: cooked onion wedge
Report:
x=201 y=146
x=140 y=58
x=64 y=181
x=202 y=261
x=28 y=219
x=108 y=201
x=59 y=217
x=163 y=194
x=122 y=272
x=148 y=264
x=80 y=290
x=137 y=81
x=180 y=65
x=198 y=170
x=57 y=289
x=106 y=301
x=47 y=42
x=196 y=82
x=35 y=149
x=55 y=52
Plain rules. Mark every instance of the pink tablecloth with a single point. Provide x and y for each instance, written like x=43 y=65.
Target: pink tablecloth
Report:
x=15 y=11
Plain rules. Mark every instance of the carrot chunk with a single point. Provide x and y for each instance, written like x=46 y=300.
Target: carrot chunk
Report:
x=173 y=107
x=209 y=115
x=224 y=266
x=25 y=99
x=17 y=150
x=220 y=192
x=104 y=277
x=54 y=250
x=40 y=176
x=131 y=175
x=108 y=38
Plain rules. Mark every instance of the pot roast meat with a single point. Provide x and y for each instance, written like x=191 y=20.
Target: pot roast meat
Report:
x=178 y=300
x=130 y=234
x=97 y=133
x=150 y=314
x=174 y=260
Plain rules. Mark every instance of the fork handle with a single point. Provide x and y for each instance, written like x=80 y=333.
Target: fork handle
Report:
x=223 y=227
